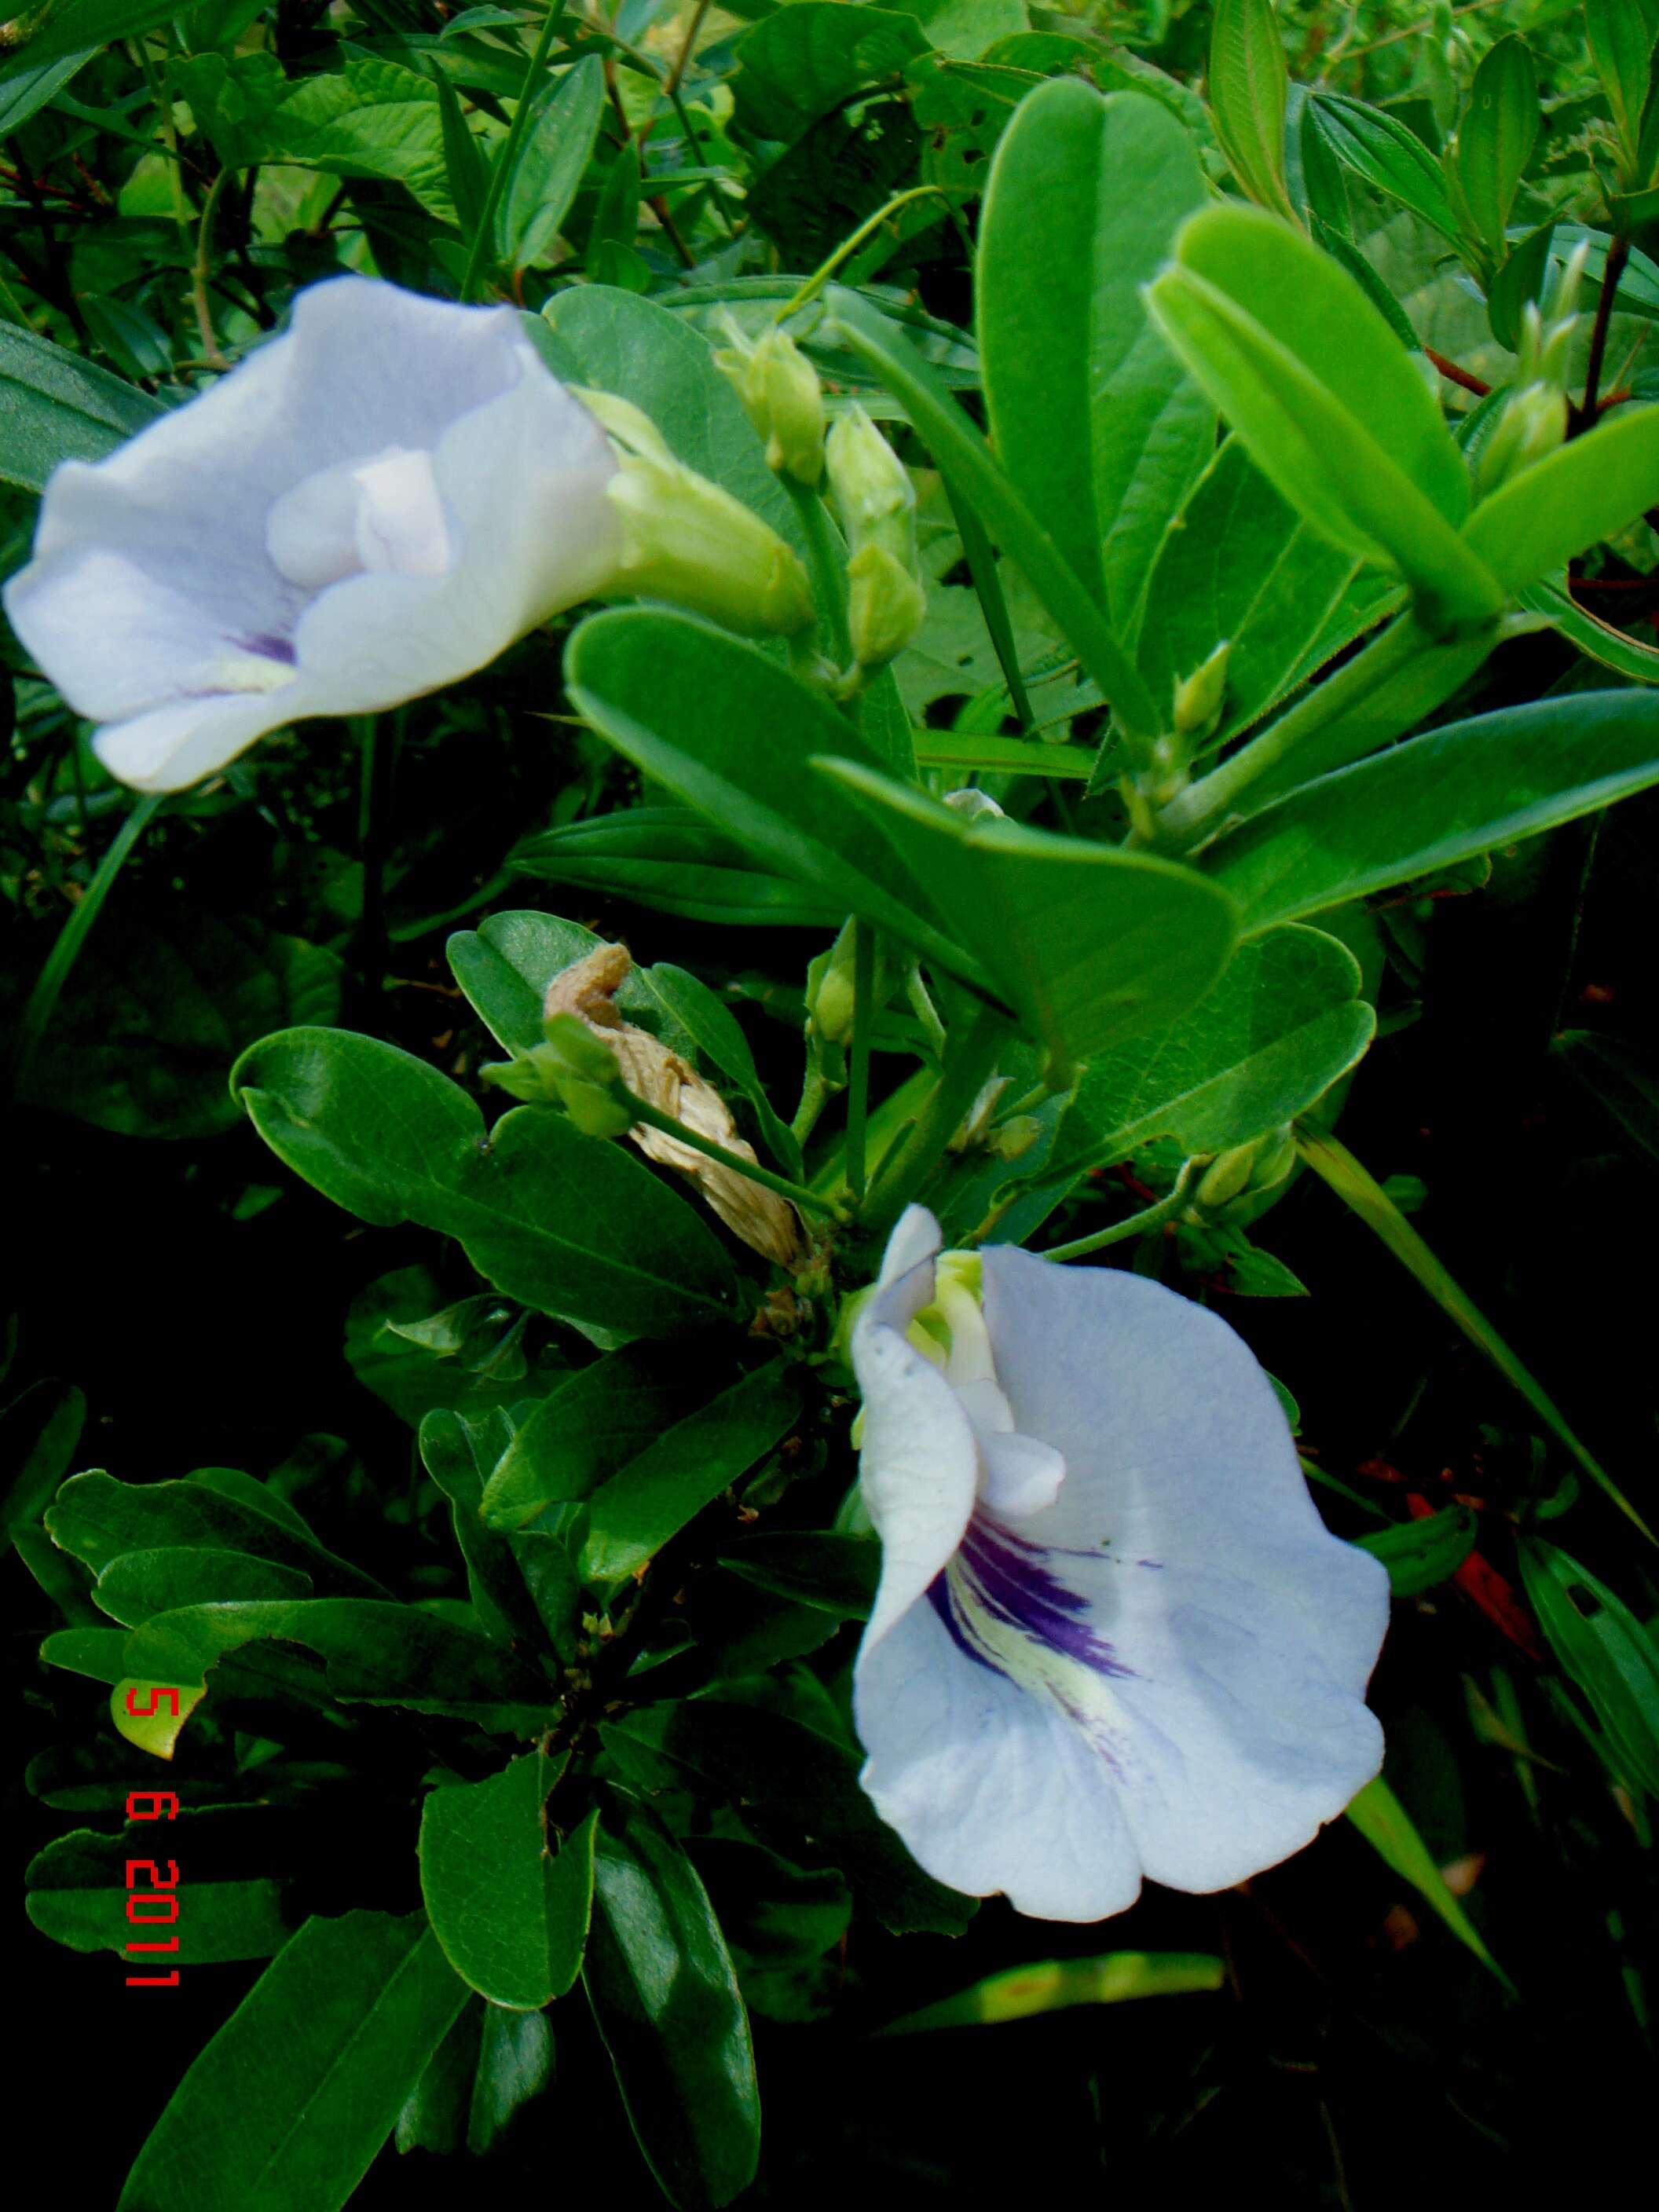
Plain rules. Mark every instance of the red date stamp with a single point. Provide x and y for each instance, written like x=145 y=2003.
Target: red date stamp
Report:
x=152 y=1895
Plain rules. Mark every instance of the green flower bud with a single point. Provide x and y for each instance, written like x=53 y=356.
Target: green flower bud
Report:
x=572 y=1069
x=1013 y=1137
x=781 y=396
x=872 y=489
x=1533 y=424
x=686 y=540
x=1199 y=697
x=830 y=991
x=885 y=606
x=1245 y=1172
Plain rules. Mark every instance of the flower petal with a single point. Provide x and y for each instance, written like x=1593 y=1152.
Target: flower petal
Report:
x=523 y=478
x=990 y=1789
x=1246 y=1631
x=176 y=745
x=919 y=1463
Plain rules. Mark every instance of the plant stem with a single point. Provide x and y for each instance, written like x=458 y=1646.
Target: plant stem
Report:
x=858 y=1095
x=1149 y=1217
x=974 y=1043
x=1360 y=1191
x=1612 y=270
x=502 y=168
x=825 y=269
x=49 y=984
x=828 y=556
x=655 y=1118
x=201 y=268
x=1199 y=811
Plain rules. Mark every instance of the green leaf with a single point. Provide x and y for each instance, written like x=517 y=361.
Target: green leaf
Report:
x=25 y=93
x=664 y=1993
x=1621 y=46
x=968 y=464
x=834 y=1574
x=140 y=1583
x=633 y=1513
x=1361 y=1191
x=515 y=2063
x=97 y=1652
x=39 y=1432
x=1283 y=1023
x=613 y=341
x=591 y=1425
x=56 y=407
x=460 y=1452
x=465 y=164
x=552 y=156
x=1605 y=1649
x=1601 y=642
x=1423 y=806
x=1628 y=1090
x=568 y=1224
x=156 y=1012
x=79 y=1885
x=369 y=117
x=1097 y=426
x=1089 y=943
x=1494 y=142
x=809 y=58
x=1248 y=82
x=1053 y=1984
x=98 y=1519
x=1390 y=159
x=1388 y=1828
x=731 y=734
x=375 y=1654
x=70 y=27
x=795 y=1782
x=1417 y=1554
x=663 y=857
x=1586 y=490
x=722 y=1047
x=1329 y=403
x=355 y=2007
x=511 y=1916
x=1243 y=565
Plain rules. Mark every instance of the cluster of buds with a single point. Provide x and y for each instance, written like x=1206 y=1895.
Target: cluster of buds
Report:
x=1533 y=420
x=868 y=486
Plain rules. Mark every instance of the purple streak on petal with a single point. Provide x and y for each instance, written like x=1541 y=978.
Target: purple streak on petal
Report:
x=1014 y=1580
x=269 y=647
x=943 y=1601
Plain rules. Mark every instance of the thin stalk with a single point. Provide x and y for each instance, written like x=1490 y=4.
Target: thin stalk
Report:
x=827 y=556
x=1204 y=805
x=848 y=246
x=49 y=984
x=858 y=1095
x=798 y=1194
x=1364 y=1195
x=1612 y=270
x=974 y=1044
x=982 y=567
x=502 y=168
x=922 y=1007
x=201 y=268
x=1149 y=1217
x=677 y=75
x=814 y=1097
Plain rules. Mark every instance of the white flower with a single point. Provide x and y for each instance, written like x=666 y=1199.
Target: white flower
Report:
x=1113 y=1636
x=370 y=506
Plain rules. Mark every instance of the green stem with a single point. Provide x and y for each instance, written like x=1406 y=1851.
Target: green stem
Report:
x=982 y=567
x=922 y=1007
x=825 y=269
x=655 y=1118
x=858 y=1095
x=814 y=1097
x=1362 y=1192
x=502 y=168
x=1149 y=1217
x=828 y=557
x=49 y=984
x=1365 y=681
x=201 y=269
x=974 y=1044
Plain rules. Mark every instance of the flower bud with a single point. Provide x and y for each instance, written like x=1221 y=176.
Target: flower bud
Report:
x=830 y=995
x=872 y=489
x=885 y=606
x=686 y=540
x=1245 y=1172
x=1199 y=697
x=1533 y=424
x=781 y=396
